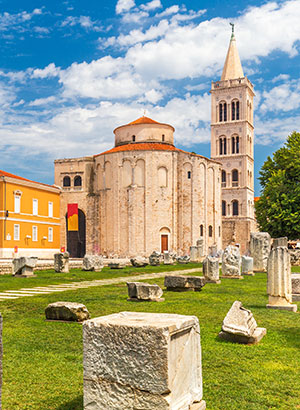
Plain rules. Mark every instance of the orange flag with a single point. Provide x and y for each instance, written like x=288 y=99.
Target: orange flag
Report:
x=72 y=217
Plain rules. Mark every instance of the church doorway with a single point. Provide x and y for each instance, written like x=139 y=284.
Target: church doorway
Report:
x=76 y=241
x=164 y=239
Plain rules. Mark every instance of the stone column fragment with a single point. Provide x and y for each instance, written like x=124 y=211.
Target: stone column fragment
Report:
x=231 y=263
x=279 y=280
x=260 y=246
x=247 y=265
x=211 y=270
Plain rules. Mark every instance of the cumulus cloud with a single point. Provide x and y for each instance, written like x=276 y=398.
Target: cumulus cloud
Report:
x=50 y=71
x=152 y=5
x=124 y=5
x=284 y=97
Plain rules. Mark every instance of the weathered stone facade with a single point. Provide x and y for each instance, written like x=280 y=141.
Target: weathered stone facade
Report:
x=144 y=194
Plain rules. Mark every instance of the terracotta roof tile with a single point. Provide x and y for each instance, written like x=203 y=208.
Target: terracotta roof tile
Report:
x=144 y=120
x=9 y=175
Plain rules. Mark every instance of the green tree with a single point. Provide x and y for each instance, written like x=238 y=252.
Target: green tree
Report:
x=278 y=208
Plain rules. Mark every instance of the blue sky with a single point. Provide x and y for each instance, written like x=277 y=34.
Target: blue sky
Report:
x=72 y=71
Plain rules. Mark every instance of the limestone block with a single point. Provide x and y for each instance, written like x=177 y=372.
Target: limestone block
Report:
x=23 y=266
x=247 y=265
x=92 y=263
x=280 y=242
x=140 y=291
x=139 y=261
x=142 y=361
x=183 y=259
x=67 y=311
x=61 y=262
x=211 y=270
x=279 y=280
x=260 y=246
x=116 y=265
x=180 y=283
x=240 y=326
x=168 y=260
x=295 y=283
x=200 y=246
x=231 y=261
x=154 y=258
x=194 y=254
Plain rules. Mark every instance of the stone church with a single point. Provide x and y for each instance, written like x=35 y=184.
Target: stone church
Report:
x=145 y=194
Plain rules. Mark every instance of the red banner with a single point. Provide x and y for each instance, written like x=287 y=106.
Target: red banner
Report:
x=72 y=217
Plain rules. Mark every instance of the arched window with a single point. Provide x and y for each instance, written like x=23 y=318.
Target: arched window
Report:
x=235 y=177
x=233 y=145
x=235 y=208
x=210 y=231
x=77 y=181
x=223 y=208
x=67 y=181
x=233 y=111
x=201 y=230
x=223 y=179
x=133 y=138
x=222 y=112
x=223 y=145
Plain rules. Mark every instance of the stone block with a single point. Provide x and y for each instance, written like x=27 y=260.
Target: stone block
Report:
x=61 y=262
x=139 y=262
x=213 y=251
x=231 y=262
x=117 y=265
x=140 y=291
x=295 y=283
x=260 y=246
x=280 y=242
x=67 y=311
x=247 y=265
x=92 y=263
x=154 y=258
x=240 y=326
x=183 y=259
x=179 y=283
x=23 y=267
x=211 y=270
x=168 y=259
x=142 y=361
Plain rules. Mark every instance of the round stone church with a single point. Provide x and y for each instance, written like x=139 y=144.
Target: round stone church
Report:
x=142 y=195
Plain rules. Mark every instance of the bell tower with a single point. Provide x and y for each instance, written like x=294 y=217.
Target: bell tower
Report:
x=232 y=133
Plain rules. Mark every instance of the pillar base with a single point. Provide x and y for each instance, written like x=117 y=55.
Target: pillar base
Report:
x=290 y=307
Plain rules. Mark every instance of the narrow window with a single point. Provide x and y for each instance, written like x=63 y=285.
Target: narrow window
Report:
x=219 y=231
x=210 y=231
x=201 y=230
x=34 y=233
x=50 y=209
x=237 y=145
x=233 y=111
x=220 y=112
x=235 y=177
x=225 y=146
x=50 y=234
x=232 y=145
x=189 y=174
x=67 y=181
x=225 y=112
x=35 y=204
x=17 y=232
x=17 y=204
x=221 y=146
x=235 y=208
x=163 y=138
x=77 y=180
x=223 y=179
x=133 y=138
x=223 y=208
x=237 y=110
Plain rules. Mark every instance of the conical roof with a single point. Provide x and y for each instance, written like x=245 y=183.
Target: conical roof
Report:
x=232 y=67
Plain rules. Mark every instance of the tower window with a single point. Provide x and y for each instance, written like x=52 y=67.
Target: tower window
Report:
x=77 y=180
x=210 y=231
x=163 y=137
x=67 y=181
x=223 y=179
x=237 y=144
x=133 y=138
x=223 y=208
x=220 y=112
x=225 y=112
x=235 y=178
x=189 y=174
x=232 y=145
x=225 y=146
x=235 y=208
x=237 y=110
x=233 y=111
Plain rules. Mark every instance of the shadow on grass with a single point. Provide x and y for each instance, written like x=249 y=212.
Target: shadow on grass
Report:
x=76 y=404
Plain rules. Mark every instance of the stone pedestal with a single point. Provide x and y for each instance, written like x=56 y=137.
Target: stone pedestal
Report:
x=247 y=265
x=23 y=267
x=197 y=252
x=142 y=361
x=211 y=270
x=231 y=263
x=61 y=262
x=182 y=283
x=260 y=246
x=279 y=280
x=144 y=292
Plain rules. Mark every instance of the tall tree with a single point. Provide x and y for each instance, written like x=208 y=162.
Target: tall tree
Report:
x=278 y=208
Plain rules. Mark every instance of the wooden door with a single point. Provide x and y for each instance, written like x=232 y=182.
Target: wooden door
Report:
x=164 y=243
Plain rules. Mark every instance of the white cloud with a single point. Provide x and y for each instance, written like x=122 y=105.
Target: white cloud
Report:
x=136 y=17
x=280 y=77
x=284 y=97
x=50 y=71
x=124 y=5
x=152 y=5
x=42 y=101
x=269 y=132
x=15 y=21
x=170 y=10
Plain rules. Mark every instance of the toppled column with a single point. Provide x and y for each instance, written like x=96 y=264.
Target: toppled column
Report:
x=23 y=267
x=92 y=263
x=61 y=262
x=279 y=280
x=114 y=371
x=231 y=263
x=180 y=283
x=260 y=246
x=211 y=270
x=247 y=265
x=239 y=326
x=144 y=292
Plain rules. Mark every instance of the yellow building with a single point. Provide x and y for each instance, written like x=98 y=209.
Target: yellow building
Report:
x=29 y=217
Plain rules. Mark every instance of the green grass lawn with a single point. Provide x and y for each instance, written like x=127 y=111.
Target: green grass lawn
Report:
x=42 y=366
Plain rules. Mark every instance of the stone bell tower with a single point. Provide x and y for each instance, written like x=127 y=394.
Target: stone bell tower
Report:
x=232 y=134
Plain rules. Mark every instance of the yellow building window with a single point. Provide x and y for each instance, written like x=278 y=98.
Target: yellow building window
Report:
x=35 y=205
x=50 y=234
x=16 y=232
x=34 y=233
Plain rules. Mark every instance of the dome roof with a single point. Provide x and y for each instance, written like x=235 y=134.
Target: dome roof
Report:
x=145 y=120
